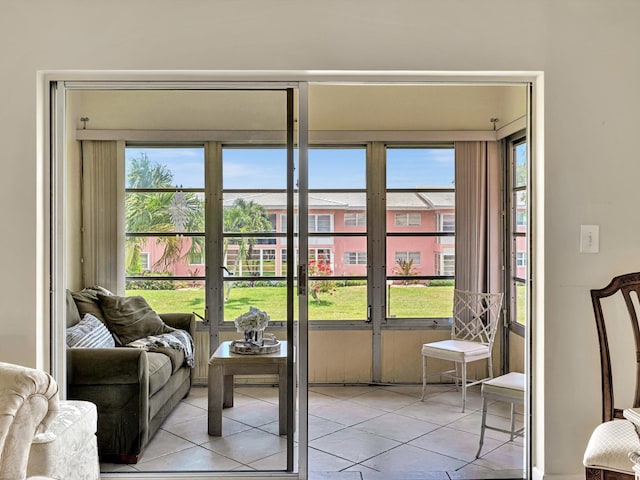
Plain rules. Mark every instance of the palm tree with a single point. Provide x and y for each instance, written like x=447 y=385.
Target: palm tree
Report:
x=243 y=217
x=159 y=212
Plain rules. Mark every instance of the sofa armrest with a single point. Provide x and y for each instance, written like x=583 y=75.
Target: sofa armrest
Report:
x=106 y=366
x=117 y=381
x=183 y=321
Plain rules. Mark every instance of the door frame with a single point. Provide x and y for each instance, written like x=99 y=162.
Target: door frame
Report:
x=51 y=161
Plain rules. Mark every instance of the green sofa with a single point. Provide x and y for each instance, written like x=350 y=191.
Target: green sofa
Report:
x=134 y=389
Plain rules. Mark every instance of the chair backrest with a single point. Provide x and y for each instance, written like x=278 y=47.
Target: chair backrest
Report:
x=476 y=316
x=629 y=286
x=28 y=404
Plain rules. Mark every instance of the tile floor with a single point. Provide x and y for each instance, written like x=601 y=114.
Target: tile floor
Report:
x=355 y=432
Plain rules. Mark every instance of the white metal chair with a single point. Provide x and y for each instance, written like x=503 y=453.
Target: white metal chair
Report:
x=475 y=321
x=505 y=388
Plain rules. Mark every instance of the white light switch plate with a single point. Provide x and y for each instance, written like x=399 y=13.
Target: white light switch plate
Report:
x=589 y=238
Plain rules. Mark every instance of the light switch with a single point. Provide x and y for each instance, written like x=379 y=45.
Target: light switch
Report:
x=589 y=238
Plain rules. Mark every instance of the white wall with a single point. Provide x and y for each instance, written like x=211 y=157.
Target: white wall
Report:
x=586 y=48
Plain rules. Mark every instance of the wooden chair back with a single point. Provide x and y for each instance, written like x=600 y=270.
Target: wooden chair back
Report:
x=629 y=286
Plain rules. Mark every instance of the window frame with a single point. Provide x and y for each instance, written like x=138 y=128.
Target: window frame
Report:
x=513 y=232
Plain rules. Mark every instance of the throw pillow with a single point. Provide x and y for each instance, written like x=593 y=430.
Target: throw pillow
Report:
x=87 y=302
x=89 y=333
x=73 y=315
x=131 y=318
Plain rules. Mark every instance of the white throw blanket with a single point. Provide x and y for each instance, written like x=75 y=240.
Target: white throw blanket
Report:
x=178 y=339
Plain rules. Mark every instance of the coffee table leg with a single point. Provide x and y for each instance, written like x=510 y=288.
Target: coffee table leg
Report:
x=228 y=391
x=216 y=391
x=282 y=398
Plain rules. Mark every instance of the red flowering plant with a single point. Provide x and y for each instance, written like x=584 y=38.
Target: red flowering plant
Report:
x=320 y=269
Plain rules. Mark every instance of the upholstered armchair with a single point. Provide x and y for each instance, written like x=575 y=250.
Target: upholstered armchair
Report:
x=28 y=405
x=41 y=436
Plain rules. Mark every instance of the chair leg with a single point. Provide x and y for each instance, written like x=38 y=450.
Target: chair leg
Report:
x=490 y=365
x=482 y=427
x=424 y=377
x=464 y=385
x=513 y=421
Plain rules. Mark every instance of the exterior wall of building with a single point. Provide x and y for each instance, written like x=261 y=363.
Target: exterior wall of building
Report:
x=427 y=248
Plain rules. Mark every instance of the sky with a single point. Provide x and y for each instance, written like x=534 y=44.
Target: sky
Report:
x=265 y=168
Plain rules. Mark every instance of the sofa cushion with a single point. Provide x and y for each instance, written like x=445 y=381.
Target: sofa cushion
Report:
x=175 y=356
x=159 y=371
x=73 y=315
x=89 y=333
x=130 y=318
x=86 y=301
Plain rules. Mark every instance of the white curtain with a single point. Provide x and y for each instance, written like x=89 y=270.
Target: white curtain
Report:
x=103 y=214
x=477 y=217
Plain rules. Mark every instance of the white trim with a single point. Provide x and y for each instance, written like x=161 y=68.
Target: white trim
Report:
x=190 y=79
x=537 y=474
x=58 y=238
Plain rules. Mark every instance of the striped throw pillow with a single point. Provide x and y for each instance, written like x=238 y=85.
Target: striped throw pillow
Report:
x=89 y=333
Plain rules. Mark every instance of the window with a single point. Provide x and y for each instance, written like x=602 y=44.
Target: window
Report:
x=144 y=261
x=320 y=223
x=320 y=255
x=197 y=259
x=353 y=219
x=338 y=233
x=355 y=258
x=447 y=224
x=272 y=221
x=413 y=257
x=517 y=203
x=407 y=219
x=164 y=219
x=420 y=231
x=446 y=264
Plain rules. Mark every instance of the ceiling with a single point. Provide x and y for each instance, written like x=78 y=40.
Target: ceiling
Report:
x=331 y=108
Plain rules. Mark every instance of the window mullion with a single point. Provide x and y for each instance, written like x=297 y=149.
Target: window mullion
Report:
x=376 y=249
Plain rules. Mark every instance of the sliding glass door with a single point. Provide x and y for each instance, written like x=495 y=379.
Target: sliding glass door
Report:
x=199 y=221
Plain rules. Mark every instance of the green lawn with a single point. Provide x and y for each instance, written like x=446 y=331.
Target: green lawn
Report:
x=345 y=303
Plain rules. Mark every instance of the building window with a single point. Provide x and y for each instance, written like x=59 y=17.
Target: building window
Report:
x=407 y=219
x=320 y=223
x=446 y=264
x=521 y=259
x=447 y=224
x=196 y=258
x=406 y=257
x=355 y=258
x=269 y=240
x=355 y=219
x=144 y=261
x=320 y=255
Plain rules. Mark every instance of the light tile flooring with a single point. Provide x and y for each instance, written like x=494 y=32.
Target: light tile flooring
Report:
x=355 y=432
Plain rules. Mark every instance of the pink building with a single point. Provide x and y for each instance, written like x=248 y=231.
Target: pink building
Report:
x=343 y=214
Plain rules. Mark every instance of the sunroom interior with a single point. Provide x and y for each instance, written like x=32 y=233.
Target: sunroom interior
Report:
x=380 y=170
